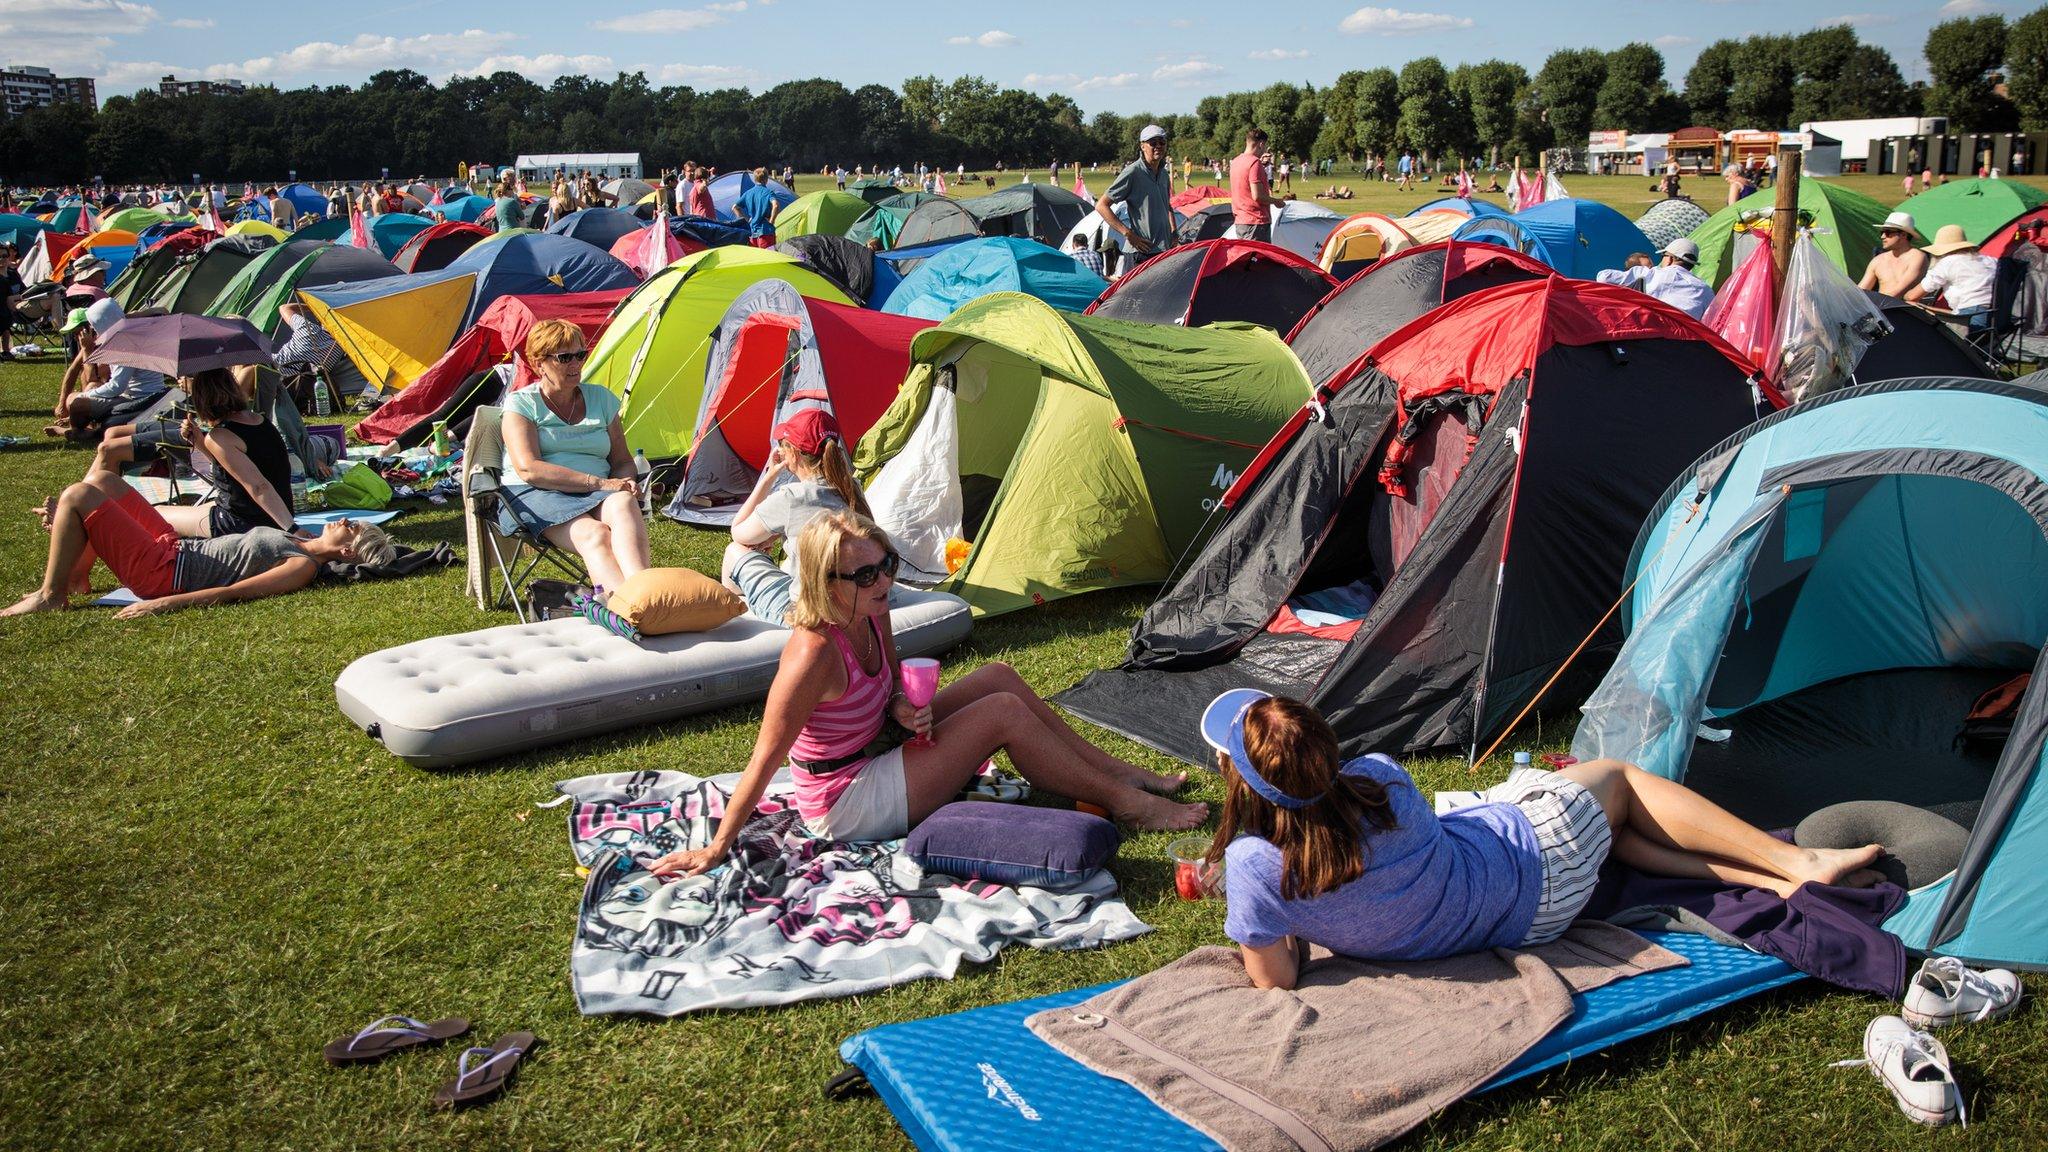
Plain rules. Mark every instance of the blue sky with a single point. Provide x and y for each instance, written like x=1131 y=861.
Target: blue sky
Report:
x=1107 y=57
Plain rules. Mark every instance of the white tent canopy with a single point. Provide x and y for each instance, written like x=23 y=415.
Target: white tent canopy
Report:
x=605 y=165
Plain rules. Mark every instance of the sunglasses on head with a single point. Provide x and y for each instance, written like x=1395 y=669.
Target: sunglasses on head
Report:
x=868 y=575
x=576 y=357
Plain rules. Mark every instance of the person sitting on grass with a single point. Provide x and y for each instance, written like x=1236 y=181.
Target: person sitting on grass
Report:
x=809 y=450
x=573 y=477
x=1353 y=857
x=101 y=517
x=836 y=686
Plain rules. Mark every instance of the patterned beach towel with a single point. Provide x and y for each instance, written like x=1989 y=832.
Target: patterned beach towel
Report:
x=789 y=917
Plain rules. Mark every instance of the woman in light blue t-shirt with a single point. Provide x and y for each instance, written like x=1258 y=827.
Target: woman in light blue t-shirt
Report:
x=1354 y=858
x=572 y=478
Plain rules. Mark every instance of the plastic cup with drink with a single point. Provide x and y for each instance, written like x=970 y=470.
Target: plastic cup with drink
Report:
x=1193 y=876
x=920 y=678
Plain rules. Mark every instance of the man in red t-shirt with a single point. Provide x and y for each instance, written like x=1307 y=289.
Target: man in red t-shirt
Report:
x=1251 y=200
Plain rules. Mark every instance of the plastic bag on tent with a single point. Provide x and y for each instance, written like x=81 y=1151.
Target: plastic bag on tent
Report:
x=916 y=497
x=1553 y=188
x=1744 y=311
x=1824 y=325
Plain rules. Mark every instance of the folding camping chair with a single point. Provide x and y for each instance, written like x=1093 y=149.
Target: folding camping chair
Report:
x=500 y=564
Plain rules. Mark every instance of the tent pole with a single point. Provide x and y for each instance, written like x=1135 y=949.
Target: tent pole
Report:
x=1785 y=214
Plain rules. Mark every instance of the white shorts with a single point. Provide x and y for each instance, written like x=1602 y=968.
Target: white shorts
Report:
x=876 y=806
x=1573 y=836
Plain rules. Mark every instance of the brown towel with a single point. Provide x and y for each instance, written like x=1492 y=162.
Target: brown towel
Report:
x=1355 y=1055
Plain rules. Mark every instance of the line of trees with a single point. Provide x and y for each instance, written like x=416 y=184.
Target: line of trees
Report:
x=1987 y=74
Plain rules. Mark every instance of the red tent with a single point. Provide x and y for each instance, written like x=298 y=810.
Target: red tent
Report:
x=1189 y=201
x=2002 y=241
x=436 y=246
x=632 y=247
x=774 y=352
x=1212 y=280
x=439 y=393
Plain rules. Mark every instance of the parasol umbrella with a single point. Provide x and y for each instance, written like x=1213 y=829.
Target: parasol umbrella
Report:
x=182 y=345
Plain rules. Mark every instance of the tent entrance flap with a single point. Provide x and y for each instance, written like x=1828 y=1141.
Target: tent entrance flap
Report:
x=731 y=447
x=996 y=392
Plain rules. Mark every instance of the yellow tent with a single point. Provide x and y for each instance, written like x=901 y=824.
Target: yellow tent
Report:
x=393 y=329
x=258 y=228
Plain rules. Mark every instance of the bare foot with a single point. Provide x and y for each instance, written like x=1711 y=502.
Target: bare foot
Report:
x=1835 y=865
x=1158 y=814
x=1157 y=783
x=37 y=602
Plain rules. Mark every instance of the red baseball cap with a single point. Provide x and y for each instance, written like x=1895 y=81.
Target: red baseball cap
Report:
x=808 y=430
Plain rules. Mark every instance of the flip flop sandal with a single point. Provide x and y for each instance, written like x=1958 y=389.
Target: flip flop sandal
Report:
x=998 y=791
x=475 y=1084
x=392 y=1034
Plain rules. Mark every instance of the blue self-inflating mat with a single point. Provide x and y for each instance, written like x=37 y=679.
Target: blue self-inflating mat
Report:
x=979 y=1081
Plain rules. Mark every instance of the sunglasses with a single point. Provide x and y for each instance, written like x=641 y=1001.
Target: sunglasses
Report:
x=868 y=575
x=576 y=357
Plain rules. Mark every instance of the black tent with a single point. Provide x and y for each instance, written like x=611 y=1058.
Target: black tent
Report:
x=1198 y=284
x=1432 y=615
x=936 y=219
x=1370 y=305
x=843 y=262
x=1211 y=223
x=1919 y=344
x=1041 y=212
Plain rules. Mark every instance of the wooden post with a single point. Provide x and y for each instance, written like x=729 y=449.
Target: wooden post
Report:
x=1785 y=216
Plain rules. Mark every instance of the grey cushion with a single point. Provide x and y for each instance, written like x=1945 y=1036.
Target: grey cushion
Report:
x=1920 y=847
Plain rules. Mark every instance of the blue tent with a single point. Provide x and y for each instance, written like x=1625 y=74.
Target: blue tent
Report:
x=117 y=258
x=329 y=228
x=599 y=226
x=710 y=233
x=972 y=268
x=155 y=234
x=893 y=265
x=307 y=199
x=468 y=209
x=538 y=265
x=390 y=231
x=1577 y=238
x=254 y=208
x=727 y=188
x=20 y=230
x=1817 y=603
x=1472 y=207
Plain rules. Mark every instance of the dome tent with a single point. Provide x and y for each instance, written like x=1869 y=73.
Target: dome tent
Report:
x=815 y=354
x=973 y=268
x=1072 y=453
x=437 y=247
x=1980 y=207
x=1845 y=228
x=1485 y=556
x=598 y=227
x=885 y=216
x=726 y=191
x=1579 y=238
x=1833 y=587
x=1216 y=280
x=1042 y=212
x=827 y=212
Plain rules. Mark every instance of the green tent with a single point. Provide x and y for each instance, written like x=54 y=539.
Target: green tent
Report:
x=136 y=219
x=1072 y=453
x=829 y=212
x=882 y=220
x=1845 y=225
x=1982 y=207
x=269 y=282
x=873 y=189
x=256 y=277
x=654 y=351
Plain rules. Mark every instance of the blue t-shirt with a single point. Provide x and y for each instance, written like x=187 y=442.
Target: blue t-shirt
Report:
x=585 y=446
x=755 y=204
x=1432 y=886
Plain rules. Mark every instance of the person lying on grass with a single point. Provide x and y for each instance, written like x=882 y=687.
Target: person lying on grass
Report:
x=837 y=684
x=1353 y=857
x=574 y=480
x=102 y=518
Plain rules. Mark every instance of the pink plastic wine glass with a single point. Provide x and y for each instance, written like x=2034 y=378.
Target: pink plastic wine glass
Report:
x=920 y=675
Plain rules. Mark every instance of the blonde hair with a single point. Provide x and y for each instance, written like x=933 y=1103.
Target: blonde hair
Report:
x=819 y=547
x=832 y=466
x=549 y=337
x=374 y=546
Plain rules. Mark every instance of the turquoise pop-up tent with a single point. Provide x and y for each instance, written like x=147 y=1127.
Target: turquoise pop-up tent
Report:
x=1818 y=603
x=957 y=273
x=1579 y=238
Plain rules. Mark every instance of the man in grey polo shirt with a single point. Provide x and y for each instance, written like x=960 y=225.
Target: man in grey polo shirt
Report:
x=1145 y=189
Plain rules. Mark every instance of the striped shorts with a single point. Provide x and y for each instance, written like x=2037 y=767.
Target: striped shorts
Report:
x=1573 y=836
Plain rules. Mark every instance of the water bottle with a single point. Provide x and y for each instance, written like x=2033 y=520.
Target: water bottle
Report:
x=301 y=499
x=645 y=474
x=1522 y=761
x=322 y=406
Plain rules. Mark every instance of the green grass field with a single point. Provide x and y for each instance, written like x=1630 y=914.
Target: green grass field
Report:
x=206 y=873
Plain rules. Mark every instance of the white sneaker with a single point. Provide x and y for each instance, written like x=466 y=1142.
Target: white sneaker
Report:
x=1946 y=991
x=1914 y=1067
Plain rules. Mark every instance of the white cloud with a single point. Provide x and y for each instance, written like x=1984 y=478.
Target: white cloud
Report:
x=1966 y=7
x=1180 y=22
x=663 y=21
x=1673 y=41
x=70 y=37
x=1186 y=72
x=994 y=38
x=121 y=77
x=192 y=23
x=1051 y=79
x=1095 y=83
x=436 y=53
x=1394 y=22
x=1278 y=54
x=708 y=75
x=547 y=65
x=1859 y=18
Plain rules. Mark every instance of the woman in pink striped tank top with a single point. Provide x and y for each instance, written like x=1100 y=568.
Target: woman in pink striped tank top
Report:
x=836 y=685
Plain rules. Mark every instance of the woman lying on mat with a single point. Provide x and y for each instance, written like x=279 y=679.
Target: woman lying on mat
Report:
x=1353 y=857
x=101 y=517
x=809 y=449
x=573 y=478
x=835 y=687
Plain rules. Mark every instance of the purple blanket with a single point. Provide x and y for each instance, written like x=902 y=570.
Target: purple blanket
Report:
x=1835 y=934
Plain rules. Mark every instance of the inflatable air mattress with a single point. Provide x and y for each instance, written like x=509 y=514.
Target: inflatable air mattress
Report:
x=979 y=1081
x=473 y=696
